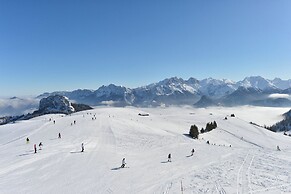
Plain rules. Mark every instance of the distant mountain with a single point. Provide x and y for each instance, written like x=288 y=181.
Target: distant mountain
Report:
x=81 y=96
x=217 y=88
x=253 y=90
x=113 y=95
x=241 y=96
x=257 y=82
x=205 y=102
x=176 y=91
x=282 y=84
x=55 y=104
x=169 y=91
x=49 y=105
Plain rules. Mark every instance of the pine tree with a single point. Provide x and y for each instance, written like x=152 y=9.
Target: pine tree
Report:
x=208 y=127
x=214 y=124
x=194 y=131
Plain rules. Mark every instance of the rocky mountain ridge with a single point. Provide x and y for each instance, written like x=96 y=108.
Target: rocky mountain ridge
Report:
x=55 y=104
x=254 y=90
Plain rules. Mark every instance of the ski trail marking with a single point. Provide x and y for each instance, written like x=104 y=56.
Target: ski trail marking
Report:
x=249 y=175
x=168 y=188
x=271 y=188
x=239 y=185
x=217 y=185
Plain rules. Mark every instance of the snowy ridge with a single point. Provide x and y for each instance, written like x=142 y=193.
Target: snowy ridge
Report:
x=171 y=91
x=257 y=82
x=251 y=165
x=55 y=104
x=176 y=91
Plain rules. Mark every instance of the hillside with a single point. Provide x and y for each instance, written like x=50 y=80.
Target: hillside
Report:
x=244 y=158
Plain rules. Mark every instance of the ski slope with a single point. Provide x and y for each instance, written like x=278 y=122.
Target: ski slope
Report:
x=241 y=157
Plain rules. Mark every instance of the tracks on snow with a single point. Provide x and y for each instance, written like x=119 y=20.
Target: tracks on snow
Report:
x=244 y=176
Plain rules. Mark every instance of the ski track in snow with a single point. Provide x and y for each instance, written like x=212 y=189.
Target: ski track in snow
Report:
x=243 y=176
x=251 y=165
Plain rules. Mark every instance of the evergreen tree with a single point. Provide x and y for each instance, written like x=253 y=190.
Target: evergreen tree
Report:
x=214 y=124
x=207 y=127
x=194 y=131
x=210 y=126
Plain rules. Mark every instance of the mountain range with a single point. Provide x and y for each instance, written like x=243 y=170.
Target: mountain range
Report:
x=254 y=90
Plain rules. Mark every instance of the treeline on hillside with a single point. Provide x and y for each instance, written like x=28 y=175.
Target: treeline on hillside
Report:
x=284 y=125
x=194 y=131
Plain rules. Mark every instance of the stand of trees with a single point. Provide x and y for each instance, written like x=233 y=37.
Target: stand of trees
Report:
x=209 y=127
x=194 y=132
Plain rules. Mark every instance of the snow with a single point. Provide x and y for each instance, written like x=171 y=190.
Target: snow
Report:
x=251 y=165
x=256 y=82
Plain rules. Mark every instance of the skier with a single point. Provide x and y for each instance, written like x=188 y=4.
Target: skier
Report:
x=169 y=158
x=40 y=145
x=278 y=148
x=27 y=140
x=74 y=122
x=123 y=163
x=54 y=122
x=82 y=146
x=60 y=135
x=192 y=152
x=34 y=148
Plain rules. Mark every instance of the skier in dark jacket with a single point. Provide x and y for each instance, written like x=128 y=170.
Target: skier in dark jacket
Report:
x=123 y=163
x=192 y=152
x=34 y=146
x=82 y=147
x=40 y=145
x=60 y=135
x=27 y=140
x=169 y=158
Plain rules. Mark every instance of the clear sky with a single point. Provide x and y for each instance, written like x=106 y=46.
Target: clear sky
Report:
x=50 y=45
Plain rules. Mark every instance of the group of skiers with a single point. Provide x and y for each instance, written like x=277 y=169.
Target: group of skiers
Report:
x=59 y=137
x=123 y=163
x=170 y=156
x=40 y=144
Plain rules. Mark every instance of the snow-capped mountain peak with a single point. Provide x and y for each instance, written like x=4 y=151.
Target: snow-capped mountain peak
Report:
x=177 y=91
x=282 y=84
x=257 y=82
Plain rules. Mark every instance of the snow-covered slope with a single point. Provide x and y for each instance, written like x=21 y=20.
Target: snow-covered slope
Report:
x=251 y=165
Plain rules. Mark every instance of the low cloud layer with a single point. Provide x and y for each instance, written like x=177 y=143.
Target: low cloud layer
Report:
x=287 y=96
x=17 y=106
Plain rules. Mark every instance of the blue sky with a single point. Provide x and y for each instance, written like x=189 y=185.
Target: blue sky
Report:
x=64 y=45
